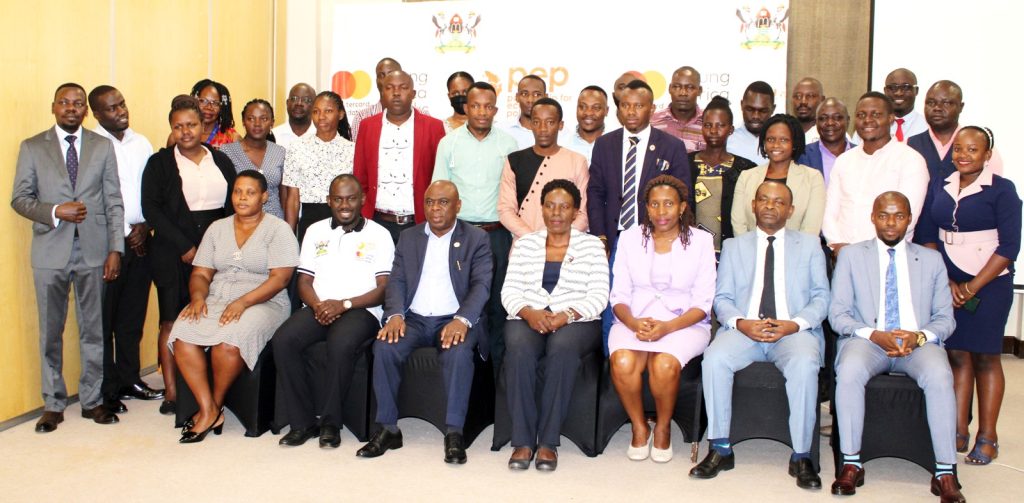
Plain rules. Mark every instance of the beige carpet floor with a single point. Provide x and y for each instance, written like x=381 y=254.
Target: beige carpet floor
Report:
x=140 y=460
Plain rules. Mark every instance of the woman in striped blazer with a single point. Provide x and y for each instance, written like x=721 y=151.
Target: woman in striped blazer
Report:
x=554 y=292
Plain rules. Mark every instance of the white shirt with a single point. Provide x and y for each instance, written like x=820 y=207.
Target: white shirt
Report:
x=744 y=144
x=132 y=152
x=573 y=141
x=811 y=135
x=858 y=178
x=346 y=264
x=64 y=146
x=394 y=167
x=779 y=281
x=913 y=123
x=524 y=137
x=436 y=295
x=284 y=135
x=641 y=151
x=907 y=319
x=203 y=185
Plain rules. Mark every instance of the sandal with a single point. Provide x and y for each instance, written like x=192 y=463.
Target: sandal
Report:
x=961 y=442
x=976 y=457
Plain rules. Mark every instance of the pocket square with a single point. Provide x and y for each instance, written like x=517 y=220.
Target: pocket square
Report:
x=663 y=165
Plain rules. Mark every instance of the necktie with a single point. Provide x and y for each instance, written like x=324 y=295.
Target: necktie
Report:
x=899 y=129
x=767 y=307
x=892 y=299
x=628 y=210
x=72 y=159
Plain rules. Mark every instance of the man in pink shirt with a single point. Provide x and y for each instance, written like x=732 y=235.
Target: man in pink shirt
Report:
x=682 y=117
x=877 y=165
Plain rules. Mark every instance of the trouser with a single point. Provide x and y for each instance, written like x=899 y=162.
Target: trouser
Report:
x=860 y=359
x=456 y=366
x=52 y=287
x=501 y=245
x=347 y=337
x=124 y=315
x=797 y=356
x=393 y=228
x=539 y=422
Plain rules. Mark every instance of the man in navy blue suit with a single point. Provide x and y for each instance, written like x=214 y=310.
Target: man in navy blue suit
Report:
x=451 y=261
x=625 y=160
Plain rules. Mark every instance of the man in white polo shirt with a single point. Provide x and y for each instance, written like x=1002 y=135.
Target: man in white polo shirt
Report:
x=343 y=270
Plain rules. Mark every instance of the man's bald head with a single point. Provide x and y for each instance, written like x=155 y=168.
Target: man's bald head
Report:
x=892 y=197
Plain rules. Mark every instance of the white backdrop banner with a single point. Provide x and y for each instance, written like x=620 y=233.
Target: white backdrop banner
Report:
x=569 y=44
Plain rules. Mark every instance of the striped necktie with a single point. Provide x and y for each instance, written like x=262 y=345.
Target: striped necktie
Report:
x=628 y=212
x=892 y=298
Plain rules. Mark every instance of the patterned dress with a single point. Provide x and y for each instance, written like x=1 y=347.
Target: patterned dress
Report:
x=237 y=272
x=272 y=169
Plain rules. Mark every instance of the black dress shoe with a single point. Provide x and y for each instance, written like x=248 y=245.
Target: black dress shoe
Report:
x=330 y=436
x=382 y=442
x=712 y=464
x=114 y=405
x=48 y=421
x=168 y=408
x=100 y=415
x=547 y=465
x=141 y=392
x=520 y=463
x=454 y=449
x=806 y=477
x=297 y=437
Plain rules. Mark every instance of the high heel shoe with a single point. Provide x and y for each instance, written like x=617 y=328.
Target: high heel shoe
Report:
x=191 y=437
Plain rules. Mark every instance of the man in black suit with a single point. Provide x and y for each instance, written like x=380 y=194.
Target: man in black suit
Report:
x=452 y=261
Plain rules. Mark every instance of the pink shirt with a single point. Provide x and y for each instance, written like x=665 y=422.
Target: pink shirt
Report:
x=203 y=185
x=995 y=164
x=528 y=217
x=689 y=131
x=858 y=178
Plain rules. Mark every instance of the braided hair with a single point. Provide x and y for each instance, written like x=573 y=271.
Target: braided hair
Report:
x=224 y=119
x=686 y=219
x=343 y=128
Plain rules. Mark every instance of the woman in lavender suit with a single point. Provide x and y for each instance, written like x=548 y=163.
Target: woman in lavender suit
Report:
x=664 y=283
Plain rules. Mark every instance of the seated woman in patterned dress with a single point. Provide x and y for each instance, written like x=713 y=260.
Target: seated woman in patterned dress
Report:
x=238 y=299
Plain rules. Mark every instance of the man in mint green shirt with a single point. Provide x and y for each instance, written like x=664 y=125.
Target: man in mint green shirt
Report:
x=472 y=156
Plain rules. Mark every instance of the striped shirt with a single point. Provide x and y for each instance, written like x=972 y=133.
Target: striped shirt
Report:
x=582 y=284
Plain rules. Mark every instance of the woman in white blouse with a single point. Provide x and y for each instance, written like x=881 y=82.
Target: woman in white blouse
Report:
x=311 y=163
x=555 y=291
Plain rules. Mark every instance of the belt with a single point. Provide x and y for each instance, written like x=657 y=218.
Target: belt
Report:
x=966 y=238
x=488 y=226
x=395 y=219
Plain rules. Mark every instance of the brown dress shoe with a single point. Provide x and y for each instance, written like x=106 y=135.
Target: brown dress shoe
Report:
x=849 y=480
x=100 y=415
x=48 y=421
x=947 y=488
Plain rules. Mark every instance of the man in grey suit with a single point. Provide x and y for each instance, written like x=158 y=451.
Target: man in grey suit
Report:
x=66 y=182
x=774 y=318
x=892 y=308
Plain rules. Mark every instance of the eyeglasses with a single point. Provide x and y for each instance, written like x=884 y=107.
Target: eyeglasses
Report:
x=67 y=103
x=892 y=88
x=300 y=99
x=203 y=102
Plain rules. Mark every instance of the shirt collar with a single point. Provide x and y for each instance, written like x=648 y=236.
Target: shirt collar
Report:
x=779 y=235
x=360 y=224
x=430 y=234
x=62 y=134
x=102 y=131
x=883 y=248
x=644 y=135
x=386 y=122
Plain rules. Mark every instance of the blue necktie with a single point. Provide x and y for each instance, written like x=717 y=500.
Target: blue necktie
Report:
x=892 y=298
x=72 y=160
x=628 y=210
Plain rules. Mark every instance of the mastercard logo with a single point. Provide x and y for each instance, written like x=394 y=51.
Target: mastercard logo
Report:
x=355 y=84
x=654 y=79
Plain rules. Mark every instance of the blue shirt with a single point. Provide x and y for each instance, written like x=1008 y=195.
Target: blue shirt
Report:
x=475 y=167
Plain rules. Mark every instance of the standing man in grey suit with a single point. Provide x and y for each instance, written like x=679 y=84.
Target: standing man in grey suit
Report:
x=774 y=318
x=66 y=182
x=892 y=308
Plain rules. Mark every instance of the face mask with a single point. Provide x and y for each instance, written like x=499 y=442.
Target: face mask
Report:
x=458 y=104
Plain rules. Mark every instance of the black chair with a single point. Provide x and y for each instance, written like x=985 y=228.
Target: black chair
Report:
x=422 y=394
x=689 y=413
x=895 y=423
x=356 y=406
x=580 y=425
x=250 y=399
x=760 y=409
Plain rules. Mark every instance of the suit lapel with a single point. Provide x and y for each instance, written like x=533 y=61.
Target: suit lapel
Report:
x=748 y=263
x=420 y=245
x=455 y=256
x=792 y=265
x=53 y=151
x=914 y=270
x=872 y=271
x=85 y=156
x=616 y=166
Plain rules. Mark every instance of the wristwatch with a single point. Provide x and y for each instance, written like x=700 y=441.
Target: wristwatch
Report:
x=463 y=320
x=922 y=339
x=570 y=316
x=347 y=304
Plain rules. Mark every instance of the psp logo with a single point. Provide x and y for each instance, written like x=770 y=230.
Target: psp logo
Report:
x=354 y=85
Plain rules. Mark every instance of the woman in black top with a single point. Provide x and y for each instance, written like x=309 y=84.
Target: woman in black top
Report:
x=184 y=189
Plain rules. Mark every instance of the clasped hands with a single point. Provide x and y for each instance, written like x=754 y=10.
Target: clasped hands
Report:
x=326 y=311
x=897 y=343
x=767 y=330
x=453 y=333
x=649 y=329
x=543 y=321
